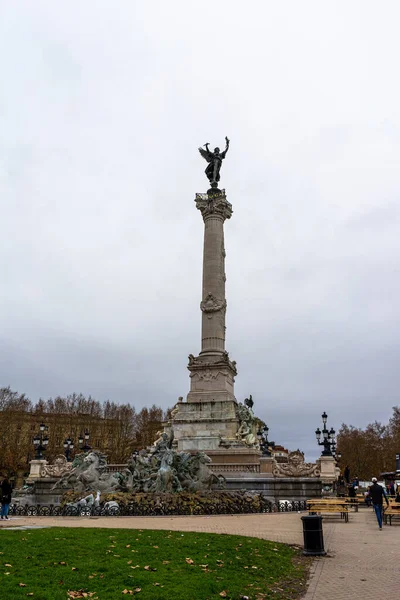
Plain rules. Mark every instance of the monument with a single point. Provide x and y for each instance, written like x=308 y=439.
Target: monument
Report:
x=210 y=425
x=211 y=419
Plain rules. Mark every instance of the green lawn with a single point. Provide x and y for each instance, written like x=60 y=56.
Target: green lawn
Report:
x=105 y=564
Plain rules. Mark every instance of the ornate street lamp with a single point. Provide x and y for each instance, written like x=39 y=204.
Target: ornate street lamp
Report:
x=40 y=441
x=68 y=447
x=328 y=438
x=265 y=445
x=84 y=438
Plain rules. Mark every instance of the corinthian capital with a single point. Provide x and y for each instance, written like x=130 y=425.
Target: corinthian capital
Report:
x=214 y=204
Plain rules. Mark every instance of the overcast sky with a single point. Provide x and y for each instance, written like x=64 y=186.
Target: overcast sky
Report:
x=102 y=107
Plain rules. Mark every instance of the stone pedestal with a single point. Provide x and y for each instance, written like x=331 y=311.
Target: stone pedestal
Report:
x=35 y=469
x=328 y=469
x=266 y=465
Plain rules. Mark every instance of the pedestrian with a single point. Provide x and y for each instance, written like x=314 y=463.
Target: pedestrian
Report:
x=351 y=491
x=6 y=490
x=377 y=493
x=346 y=474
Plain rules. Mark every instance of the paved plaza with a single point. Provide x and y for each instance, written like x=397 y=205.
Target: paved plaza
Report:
x=362 y=562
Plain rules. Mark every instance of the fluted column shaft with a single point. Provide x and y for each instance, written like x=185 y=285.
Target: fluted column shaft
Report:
x=213 y=305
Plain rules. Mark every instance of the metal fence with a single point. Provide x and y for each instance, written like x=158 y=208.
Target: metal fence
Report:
x=139 y=510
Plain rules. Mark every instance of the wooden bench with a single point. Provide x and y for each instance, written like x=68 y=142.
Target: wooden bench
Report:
x=356 y=502
x=393 y=510
x=329 y=506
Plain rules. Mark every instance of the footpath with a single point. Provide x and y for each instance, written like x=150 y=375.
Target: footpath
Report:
x=362 y=562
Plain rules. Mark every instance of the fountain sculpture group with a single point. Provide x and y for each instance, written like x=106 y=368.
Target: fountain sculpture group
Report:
x=161 y=469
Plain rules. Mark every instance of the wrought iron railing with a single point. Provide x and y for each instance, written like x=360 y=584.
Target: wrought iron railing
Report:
x=137 y=510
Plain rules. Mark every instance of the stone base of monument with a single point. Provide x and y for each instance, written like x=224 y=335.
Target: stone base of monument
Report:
x=42 y=493
x=277 y=489
x=213 y=426
x=205 y=425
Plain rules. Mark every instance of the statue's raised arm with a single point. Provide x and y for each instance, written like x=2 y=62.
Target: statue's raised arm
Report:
x=223 y=154
x=215 y=160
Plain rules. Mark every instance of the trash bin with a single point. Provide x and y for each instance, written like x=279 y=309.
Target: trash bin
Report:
x=313 y=535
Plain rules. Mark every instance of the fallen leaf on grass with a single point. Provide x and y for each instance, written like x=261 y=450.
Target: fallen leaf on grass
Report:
x=30 y=594
x=74 y=569
x=22 y=584
x=7 y=565
x=223 y=594
x=81 y=594
x=189 y=561
x=130 y=592
x=147 y=568
x=165 y=562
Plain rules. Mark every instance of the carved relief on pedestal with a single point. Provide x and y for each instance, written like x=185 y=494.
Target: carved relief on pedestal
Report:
x=208 y=375
x=223 y=363
x=60 y=467
x=296 y=467
x=211 y=304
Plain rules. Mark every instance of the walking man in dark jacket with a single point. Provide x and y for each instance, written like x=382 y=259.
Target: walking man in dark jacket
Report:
x=377 y=494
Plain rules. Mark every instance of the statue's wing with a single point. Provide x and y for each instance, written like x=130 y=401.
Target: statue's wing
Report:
x=205 y=154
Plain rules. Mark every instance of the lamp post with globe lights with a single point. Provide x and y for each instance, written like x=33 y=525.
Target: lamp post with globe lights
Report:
x=68 y=448
x=265 y=445
x=40 y=441
x=83 y=441
x=328 y=437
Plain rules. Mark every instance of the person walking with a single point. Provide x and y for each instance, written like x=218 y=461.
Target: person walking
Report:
x=377 y=493
x=6 y=491
x=346 y=474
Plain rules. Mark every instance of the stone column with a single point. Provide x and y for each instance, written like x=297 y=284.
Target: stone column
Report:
x=213 y=305
x=212 y=372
